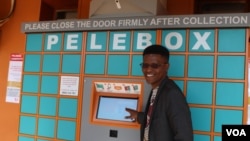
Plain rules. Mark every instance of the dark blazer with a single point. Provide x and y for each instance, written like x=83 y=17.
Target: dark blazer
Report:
x=171 y=118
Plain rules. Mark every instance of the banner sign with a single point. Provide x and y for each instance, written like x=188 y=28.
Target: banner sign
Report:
x=152 y=22
x=112 y=87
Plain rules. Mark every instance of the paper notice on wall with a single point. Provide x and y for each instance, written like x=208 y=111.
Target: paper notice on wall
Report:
x=249 y=80
x=69 y=85
x=248 y=119
x=14 y=78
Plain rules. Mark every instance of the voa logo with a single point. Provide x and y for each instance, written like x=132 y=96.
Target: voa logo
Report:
x=236 y=132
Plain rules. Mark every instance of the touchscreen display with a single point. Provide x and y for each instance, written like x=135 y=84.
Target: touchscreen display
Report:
x=113 y=108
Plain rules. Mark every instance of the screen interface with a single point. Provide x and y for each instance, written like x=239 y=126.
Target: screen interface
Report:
x=113 y=108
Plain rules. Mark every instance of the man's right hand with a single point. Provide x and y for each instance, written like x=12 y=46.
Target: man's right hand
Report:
x=133 y=114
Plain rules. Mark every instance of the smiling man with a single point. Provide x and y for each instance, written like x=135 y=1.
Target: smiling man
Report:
x=167 y=116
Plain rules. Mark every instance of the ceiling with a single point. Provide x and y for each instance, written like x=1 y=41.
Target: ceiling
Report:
x=6 y=8
x=62 y=4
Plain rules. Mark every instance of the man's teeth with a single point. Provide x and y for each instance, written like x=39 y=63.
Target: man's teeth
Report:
x=149 y=75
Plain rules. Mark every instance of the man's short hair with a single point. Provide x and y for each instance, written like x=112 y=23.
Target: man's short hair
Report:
x=157 y=49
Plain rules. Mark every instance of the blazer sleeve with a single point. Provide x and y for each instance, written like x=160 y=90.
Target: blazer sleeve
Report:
x=140 y=117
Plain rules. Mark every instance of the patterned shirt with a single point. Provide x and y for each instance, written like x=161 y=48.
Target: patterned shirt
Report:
x=152 y=100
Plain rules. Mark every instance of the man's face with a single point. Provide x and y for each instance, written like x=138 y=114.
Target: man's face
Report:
x=154 y=68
